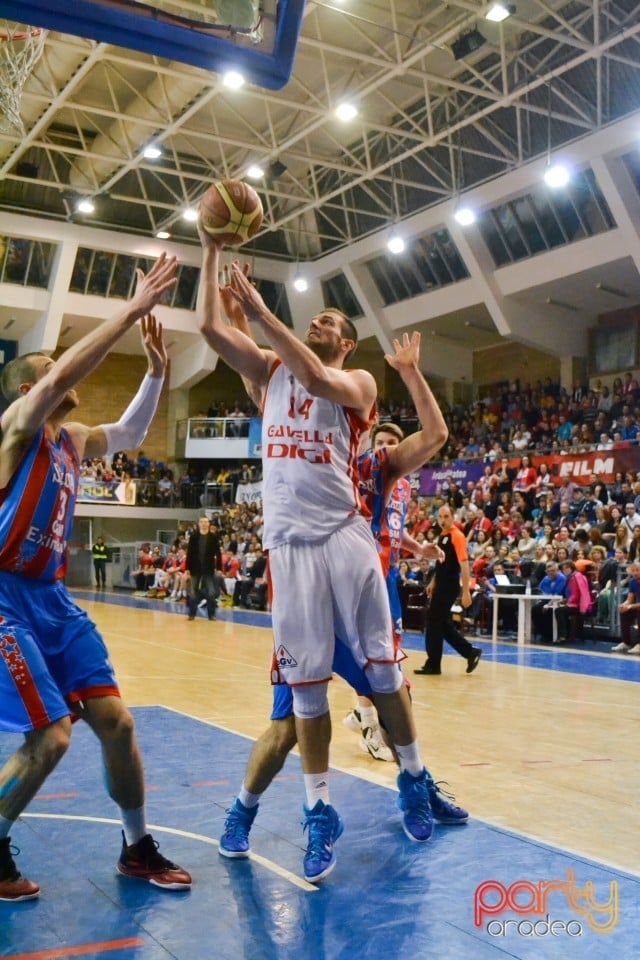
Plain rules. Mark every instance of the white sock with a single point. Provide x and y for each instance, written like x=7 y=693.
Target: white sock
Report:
x=368 y=718
x=5 y=827
x=409 y=758
x=247 y=799
x=317 y=788
x=134 y=824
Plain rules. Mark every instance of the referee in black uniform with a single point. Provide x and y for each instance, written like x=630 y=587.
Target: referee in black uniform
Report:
x=444 y=593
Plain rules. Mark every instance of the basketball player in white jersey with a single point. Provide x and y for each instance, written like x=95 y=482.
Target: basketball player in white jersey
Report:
x=325 y=571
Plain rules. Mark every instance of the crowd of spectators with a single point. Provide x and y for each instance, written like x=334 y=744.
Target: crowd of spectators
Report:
x=518 y=523
x=515 y=515
x=542 y=417
x=240 y=581
x=154 y=483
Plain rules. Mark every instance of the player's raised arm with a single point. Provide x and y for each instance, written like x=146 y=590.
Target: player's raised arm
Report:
x=236 y=349
x=419 y=447
x=36 y=386
x=131 y=429
x=317 y=362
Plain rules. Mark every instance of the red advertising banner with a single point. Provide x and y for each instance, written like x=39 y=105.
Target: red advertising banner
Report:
x=581 y=466
x=623 y=458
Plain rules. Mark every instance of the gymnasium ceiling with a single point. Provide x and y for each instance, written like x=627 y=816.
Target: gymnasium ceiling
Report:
x=428 y=127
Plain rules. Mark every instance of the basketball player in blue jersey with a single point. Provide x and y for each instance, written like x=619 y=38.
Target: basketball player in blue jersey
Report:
x=417 y=790
x=54 y=665
x=387 y=493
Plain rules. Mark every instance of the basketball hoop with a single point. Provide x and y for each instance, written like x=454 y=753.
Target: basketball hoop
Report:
x=20 y=49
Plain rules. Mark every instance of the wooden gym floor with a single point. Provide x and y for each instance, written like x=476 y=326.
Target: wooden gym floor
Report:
x=539 y=745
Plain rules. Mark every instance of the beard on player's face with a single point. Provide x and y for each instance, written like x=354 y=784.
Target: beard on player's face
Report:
x=325 y=350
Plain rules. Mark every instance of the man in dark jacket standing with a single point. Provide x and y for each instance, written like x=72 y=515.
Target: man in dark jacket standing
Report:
x=203 y=559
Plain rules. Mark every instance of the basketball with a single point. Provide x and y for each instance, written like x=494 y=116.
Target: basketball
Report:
x=231 y=211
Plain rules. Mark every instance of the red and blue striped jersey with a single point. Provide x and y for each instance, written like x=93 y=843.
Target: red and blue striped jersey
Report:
x=387 y=517
x=36 y=509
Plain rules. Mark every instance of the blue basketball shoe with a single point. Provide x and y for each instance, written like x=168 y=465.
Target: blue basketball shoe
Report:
x=442 y=808
x=417 y=821
x=234 y=842
x=324 y=826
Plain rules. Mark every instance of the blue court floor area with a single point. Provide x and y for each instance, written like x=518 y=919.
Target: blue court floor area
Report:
x=475 y=892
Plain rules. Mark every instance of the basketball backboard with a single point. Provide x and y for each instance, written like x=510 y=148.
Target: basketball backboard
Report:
x=255 y=37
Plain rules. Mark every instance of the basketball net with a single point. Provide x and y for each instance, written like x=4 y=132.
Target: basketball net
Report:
x=20 y=49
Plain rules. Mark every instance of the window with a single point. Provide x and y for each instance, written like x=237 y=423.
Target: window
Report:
x=431 y=261
x=545 y=218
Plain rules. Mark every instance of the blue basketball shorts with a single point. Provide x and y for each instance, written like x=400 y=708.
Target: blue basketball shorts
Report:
x=51 y=654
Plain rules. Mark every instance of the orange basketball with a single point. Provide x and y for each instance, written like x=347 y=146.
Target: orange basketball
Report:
x=231 y=211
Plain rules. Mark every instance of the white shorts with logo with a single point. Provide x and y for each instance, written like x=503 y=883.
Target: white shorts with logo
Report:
x=328 y=588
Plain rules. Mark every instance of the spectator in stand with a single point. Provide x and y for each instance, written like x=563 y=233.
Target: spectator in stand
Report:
x=566 y=490
x=565 y=428
x=141 y=465
x=629 y=429
x=254 y=581
x=477 y=543
x=524 y=506
x=544 y=483
x=178 y=579
x=231 y=571
x=144 y=574
x=570 y=615
x=631 y=518
x=627 y=384
x=479 y=522
x=553 y=584
x=526 y=543
x=483 y=564
x=605 y=400
x=630 y=614
x=505 y=475
x=634 y=546
x=165 y=490
x=541 y=557
x=544 y=534
x=521 y=439
x=508 y=609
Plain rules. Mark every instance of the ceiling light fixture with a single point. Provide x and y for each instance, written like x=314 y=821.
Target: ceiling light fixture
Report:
x=255 y=172
x=556 y=175
x=190 y=214
x=499 y=12
x=85 y=206
x=562 y=304
x=612 y=291
x=152 y=152
x=346 y=112
x=396 y=244
x=233 y=80
x=465 y=216
x=163 y=235
x=300 y=283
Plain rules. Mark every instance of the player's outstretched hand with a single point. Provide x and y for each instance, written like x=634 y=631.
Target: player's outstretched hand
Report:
x=406 y=354
x=209 y=239
x=154 y=346
x=151 y=287
x=245 y=294
x=230 y=304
